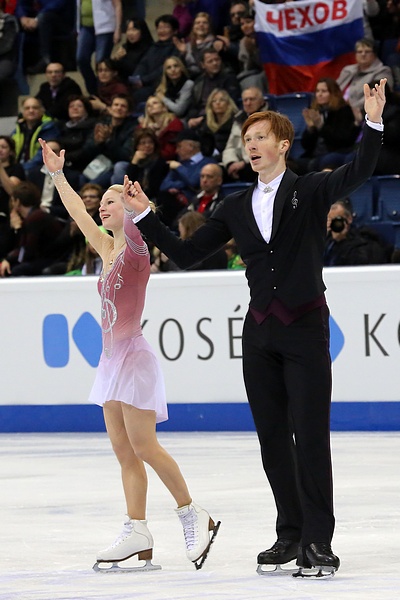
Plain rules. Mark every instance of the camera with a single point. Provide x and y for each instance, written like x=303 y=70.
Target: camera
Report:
x=338 y=224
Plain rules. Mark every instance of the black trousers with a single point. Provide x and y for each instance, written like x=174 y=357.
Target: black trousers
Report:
x=287 y=374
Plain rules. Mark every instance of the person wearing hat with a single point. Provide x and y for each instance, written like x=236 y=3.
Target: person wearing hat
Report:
x=182 y=182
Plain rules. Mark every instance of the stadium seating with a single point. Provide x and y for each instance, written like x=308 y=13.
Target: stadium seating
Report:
x=296 y=149
x=271 y=99
x=364 y=203
x=389 y=197
x=292 y=105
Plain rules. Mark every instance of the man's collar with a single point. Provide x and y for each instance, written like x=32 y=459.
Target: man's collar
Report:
x=196 y=158
x=202 y=193
x=272 y=185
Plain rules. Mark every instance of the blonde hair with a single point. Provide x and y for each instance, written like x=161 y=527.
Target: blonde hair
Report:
x=163 y=85
x=192 y=35
x=231 y=109
x=191 y=221
x=118 y=187
x=165 y=118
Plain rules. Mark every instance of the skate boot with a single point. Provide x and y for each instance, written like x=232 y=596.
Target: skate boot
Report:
x=197 y=524
x=316 y=560
x=134 y=540
x=282 y=552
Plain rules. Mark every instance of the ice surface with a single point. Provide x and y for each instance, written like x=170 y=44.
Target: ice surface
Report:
x=61 y=501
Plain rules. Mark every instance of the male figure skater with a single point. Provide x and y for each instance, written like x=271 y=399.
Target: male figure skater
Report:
x=279 y=226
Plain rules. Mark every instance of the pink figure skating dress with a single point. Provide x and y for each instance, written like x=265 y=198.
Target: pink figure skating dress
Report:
x=128 y=369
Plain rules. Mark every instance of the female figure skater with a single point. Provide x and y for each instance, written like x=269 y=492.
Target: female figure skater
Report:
x=129 y=383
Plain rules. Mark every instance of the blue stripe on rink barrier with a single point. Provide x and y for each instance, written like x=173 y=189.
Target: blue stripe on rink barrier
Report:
x=346 y=416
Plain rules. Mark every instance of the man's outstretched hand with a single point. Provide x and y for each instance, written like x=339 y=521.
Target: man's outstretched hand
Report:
x=374 y=101
x=133 y=196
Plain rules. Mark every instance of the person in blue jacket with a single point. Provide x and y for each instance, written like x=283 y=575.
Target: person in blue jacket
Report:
x=182 y=183
x=41 y=23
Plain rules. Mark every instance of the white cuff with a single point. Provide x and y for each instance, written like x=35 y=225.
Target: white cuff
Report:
x=377 y=126
x=141 y=215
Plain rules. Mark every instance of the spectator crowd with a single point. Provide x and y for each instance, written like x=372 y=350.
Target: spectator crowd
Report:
x=167 y=108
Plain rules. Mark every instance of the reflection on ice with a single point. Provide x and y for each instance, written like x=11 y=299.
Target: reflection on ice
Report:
x=61 y=501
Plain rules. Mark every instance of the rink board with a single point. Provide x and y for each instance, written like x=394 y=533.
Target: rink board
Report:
x=346 y=416
x=52 y=341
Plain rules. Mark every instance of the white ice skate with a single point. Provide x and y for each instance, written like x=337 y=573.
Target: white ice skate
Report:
x=134 y=540
x=197 y=525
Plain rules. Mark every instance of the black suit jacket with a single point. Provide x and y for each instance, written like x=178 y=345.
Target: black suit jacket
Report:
x=223 y=80
x=57 y=107
x=289 y=267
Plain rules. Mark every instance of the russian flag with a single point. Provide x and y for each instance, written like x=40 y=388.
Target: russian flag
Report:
x=300 y=42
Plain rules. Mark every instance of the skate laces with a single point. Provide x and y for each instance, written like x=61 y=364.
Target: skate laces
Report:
x=190 y=526
x=125 y=533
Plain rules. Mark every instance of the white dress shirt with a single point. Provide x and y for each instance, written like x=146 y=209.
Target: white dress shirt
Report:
x=263 y=205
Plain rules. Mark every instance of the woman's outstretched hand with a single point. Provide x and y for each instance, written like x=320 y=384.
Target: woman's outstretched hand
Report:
x=52 y=161
x=134 y=197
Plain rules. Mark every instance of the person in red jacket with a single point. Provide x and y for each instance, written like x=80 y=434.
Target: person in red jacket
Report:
x=8 y=6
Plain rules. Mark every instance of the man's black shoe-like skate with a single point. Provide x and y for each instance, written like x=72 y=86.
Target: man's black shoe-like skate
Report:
x=316 y=560
x=282 y=552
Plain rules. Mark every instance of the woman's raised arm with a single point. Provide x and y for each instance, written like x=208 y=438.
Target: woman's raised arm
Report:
x=71 y=200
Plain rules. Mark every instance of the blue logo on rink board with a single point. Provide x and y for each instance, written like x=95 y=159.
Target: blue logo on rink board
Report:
x=86 y=333
x=87 y=337
x=337 y=338
x=55 y=341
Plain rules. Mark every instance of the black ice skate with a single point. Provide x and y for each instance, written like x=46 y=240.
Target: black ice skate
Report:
x=281 y=553
x=317 y=560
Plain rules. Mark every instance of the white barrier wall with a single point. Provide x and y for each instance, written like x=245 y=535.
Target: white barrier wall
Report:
x=51 y=342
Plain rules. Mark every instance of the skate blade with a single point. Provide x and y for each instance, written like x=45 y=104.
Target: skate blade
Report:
x=315 y=572
x=200 y=561
x=275 y=570
x=113 y=567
